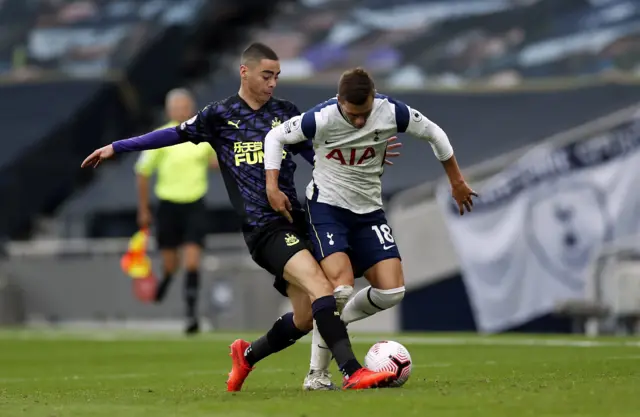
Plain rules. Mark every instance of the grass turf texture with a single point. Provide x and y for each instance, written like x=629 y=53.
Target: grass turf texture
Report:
x=84 y=374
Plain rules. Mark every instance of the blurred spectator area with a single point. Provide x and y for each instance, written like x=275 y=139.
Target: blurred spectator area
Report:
x=81 y=38
x=417 y=43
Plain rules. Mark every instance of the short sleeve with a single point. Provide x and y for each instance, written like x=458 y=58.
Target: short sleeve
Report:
x=147 y=162
x=401 y=111
x=210 y=151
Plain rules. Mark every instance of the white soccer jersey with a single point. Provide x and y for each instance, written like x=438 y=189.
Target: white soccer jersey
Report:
x=349 y=161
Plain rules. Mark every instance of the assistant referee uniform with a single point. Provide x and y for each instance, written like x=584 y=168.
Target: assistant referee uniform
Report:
x=181 y=213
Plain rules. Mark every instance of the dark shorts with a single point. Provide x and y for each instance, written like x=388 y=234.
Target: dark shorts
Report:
x=366 y=238
x=177 y=224
x=273 y=245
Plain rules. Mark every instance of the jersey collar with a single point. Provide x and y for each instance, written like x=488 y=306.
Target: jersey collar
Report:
x=346 y=119
x=244 y=103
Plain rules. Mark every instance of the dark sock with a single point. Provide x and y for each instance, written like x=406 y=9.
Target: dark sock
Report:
x=191 y=286
x=334 y=333
x=283 y=334
x=161 y=291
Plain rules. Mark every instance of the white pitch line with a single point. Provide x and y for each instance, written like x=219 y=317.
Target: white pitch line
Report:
x=110 y=336
x=623 y=358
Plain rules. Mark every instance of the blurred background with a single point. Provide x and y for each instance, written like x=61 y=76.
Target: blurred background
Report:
x=539 y=98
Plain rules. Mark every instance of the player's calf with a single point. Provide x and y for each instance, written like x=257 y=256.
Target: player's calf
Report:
x=366 y=302
x=303 y=272
x=370 y=301
x=283 y=334
x=319 y=378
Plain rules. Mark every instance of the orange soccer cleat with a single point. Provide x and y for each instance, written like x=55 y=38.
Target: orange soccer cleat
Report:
x=240 y=369
x=365 y=379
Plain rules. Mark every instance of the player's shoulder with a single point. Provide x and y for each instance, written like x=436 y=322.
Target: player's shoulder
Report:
x=325 y=107
x=384 y=99
x=319 y=117
x=322 y=111
x=394 y=109
x=220 y=107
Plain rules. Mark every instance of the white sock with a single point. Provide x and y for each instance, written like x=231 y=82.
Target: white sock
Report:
x=370 y=301
x=320 y=353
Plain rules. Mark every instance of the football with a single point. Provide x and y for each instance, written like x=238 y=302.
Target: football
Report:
x=390 y=356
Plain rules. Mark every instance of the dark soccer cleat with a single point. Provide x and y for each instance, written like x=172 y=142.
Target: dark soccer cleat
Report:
x=240 y=369
x=193 y=327
x=365 y=379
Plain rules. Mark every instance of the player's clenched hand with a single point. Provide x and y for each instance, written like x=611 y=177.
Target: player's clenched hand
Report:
x=462 y=193
x=97 y=156
x=391 y=146
x=280 y=203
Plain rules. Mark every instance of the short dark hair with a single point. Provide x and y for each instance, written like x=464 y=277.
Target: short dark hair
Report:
x=256 y=52
x=356 y=86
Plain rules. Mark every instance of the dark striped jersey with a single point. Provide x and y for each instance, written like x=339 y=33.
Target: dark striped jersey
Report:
x=236 y=132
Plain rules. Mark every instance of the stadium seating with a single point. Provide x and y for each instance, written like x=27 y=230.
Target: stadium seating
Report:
x=83 y=38
x=414 y=43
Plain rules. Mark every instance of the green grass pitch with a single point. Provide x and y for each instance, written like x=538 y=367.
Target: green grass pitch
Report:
x=132 y=374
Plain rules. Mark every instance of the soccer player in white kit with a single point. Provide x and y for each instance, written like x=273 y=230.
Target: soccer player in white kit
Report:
x=347 y=223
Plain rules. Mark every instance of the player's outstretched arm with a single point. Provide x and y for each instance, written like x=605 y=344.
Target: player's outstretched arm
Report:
x=153 y=140
x=460 y=190
x=422 y=128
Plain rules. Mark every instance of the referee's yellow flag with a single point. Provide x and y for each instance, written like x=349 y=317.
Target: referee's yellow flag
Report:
x=137 y=265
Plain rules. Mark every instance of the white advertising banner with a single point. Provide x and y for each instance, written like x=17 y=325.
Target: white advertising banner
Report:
x=538 y=224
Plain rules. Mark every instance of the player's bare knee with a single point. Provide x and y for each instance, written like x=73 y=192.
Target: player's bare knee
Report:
x=311 y=279
x=320 y=287
x=391 y=281
x=385 y=299
x=338 y=269
x=303 y=322
x=386 y=274
x=302 y=311
x=342 y=280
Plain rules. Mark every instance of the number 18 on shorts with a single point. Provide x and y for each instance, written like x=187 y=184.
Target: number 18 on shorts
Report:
x=366 y=238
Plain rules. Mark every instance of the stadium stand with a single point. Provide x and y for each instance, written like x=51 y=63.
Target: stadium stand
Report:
x=412 y=43
x=83 y=38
